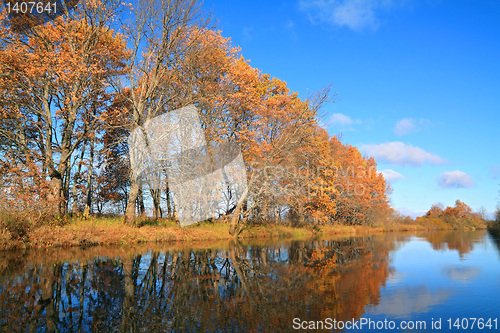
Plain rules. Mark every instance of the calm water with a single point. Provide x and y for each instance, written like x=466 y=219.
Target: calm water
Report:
x=382 y=283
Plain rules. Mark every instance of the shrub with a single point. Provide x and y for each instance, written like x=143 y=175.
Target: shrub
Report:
x=16 y=225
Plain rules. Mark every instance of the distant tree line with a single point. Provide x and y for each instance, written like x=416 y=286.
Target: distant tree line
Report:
x=458 y=217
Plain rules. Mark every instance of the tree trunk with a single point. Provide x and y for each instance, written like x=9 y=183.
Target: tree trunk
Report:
x=132 y=196
x=235 y=218
x=175 y=214
x=88 y=195
x=302 y=217
x=237 y=211
x=140 y=198
x=66 y=179
x=74 y=207
x=55 y=190
x=156 y=195
x=75 y=182
x=169 y=209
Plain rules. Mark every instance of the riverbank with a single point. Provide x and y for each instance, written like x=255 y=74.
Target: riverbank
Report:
x=96 y=231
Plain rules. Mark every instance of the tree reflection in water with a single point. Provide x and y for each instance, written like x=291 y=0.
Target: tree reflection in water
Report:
x=463 y=242
x=235 y=288
x=495 y=236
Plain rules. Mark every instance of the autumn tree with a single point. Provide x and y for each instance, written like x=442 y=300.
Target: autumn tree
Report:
x=436 y=210
x=113 y=175
x=61 y=123
x=292 y=165
x=327 y=181
x=461 y=209
x=360 y=191
x=156 y=33
x=279 y=124
x=305 y=183
x=179 y=62
x=53 y=87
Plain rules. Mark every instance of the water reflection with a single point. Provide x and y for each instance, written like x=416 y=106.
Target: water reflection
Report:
x=239 y=288
x=495 y=236
x=462 y=241
x=230 y=287
x=463 y=274
x=404 y=301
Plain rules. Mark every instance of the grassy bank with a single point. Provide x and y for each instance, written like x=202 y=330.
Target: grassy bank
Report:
x=19 y=232
x=111 y=231
x=450 y=223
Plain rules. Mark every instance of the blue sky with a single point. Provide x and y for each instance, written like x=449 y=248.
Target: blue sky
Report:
x=417 y=84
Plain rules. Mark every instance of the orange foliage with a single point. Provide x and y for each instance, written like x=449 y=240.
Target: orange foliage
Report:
x=460 y=210
x=458 y=217
x=295 y=169
x=55 y=79
x=358 y=190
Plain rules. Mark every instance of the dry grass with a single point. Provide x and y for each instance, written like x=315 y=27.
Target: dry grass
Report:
x=16 y=233
x=111 y=231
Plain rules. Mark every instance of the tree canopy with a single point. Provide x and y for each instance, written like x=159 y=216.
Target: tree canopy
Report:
x=74 y=88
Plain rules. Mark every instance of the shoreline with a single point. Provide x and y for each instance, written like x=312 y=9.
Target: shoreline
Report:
x=103 y=231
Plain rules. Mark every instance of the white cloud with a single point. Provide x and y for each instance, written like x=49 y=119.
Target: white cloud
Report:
x=391 y=175
x=454 y=179
x=409 y=125
x=399 y=153
x=404 y=126
x=353 y=14
x=342 y=121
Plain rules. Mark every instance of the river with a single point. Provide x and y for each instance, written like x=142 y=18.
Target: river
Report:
x=426 y=282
